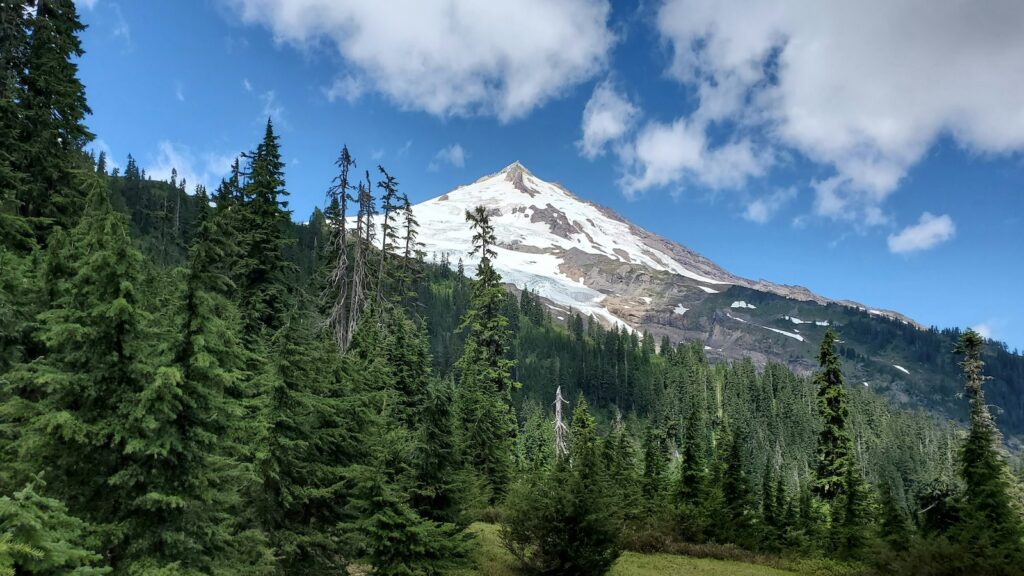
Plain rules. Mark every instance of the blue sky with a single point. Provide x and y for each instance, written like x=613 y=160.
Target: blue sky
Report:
x=870 y=152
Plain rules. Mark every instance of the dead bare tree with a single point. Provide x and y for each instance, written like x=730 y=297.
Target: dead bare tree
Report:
x=338 y=279
x=561 y=430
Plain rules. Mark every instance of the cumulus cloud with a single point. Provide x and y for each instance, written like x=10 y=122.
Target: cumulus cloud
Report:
x=452 y=57
x=206 y=169
x=452 y=155
x=663 y=154
x=929 y=232
x=607 y=116
x=865 y=88
x=763 y=209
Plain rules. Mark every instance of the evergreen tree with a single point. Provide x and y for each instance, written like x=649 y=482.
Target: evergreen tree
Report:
x=483 y=397
x=14 y=41
x=655 y=465
x=265 y=272
x=737 y=513
x=564 y=521
x=894 y=528
x=315 y=419
x=53 y=109
x=692 y=490
x=989 y=528
x=191 y=415
x=51 y=541
x=835 y=452
x=82 y=417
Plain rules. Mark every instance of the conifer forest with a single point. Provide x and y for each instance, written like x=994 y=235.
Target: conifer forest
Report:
x=202 y=382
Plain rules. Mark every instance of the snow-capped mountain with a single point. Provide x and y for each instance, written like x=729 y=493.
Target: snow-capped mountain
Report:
x=586 y=259
x=579 y=255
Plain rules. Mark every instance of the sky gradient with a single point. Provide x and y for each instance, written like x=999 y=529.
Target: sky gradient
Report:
x=876 y=162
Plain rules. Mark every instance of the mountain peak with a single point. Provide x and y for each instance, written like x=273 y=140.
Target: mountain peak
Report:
x=515 y=168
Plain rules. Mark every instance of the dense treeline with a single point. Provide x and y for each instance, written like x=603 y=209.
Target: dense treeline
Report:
x=190 y=383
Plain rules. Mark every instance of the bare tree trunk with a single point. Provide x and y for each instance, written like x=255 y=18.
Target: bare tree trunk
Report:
x=561 y=430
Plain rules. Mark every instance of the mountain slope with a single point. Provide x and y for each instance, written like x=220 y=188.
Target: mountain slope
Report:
x=584 y=258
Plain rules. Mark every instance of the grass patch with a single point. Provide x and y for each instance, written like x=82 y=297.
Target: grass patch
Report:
x=491 y=559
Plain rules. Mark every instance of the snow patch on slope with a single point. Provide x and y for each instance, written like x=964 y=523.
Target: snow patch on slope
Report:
x=901 y=369
x=783 y=332
x=742 y=304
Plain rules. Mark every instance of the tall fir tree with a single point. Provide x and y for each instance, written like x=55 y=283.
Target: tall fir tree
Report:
x=83 y=420
x=53 y=109
x=483 y=398
x=315 y=418
x=692 y=489
x=835 y=450
x=266 y=274
x=990 y=527
x=14 y=41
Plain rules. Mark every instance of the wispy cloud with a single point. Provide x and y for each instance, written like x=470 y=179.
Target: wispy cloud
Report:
x=272 y=108
x=348 y=88
x=930 y=231
x=179 y=91
x=204 y=168
x=121 y=28
x=451 y=155
x=764 y=208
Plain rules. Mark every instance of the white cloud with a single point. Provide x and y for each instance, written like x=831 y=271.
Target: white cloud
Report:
x=607 y=116
x=121 y=28
x=663 y=154
x=349 y=88
x=929 y=231
x=272 y=108
x=246 y=85
x=865 y=88
x=763 y=209
x=99 y=145
x=453 y=155
x=984 y=329
x=179 y=92
x=87 y=4
x=452 y=57
x=206 y=169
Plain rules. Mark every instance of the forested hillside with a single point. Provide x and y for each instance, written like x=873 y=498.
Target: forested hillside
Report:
x=191 y=383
